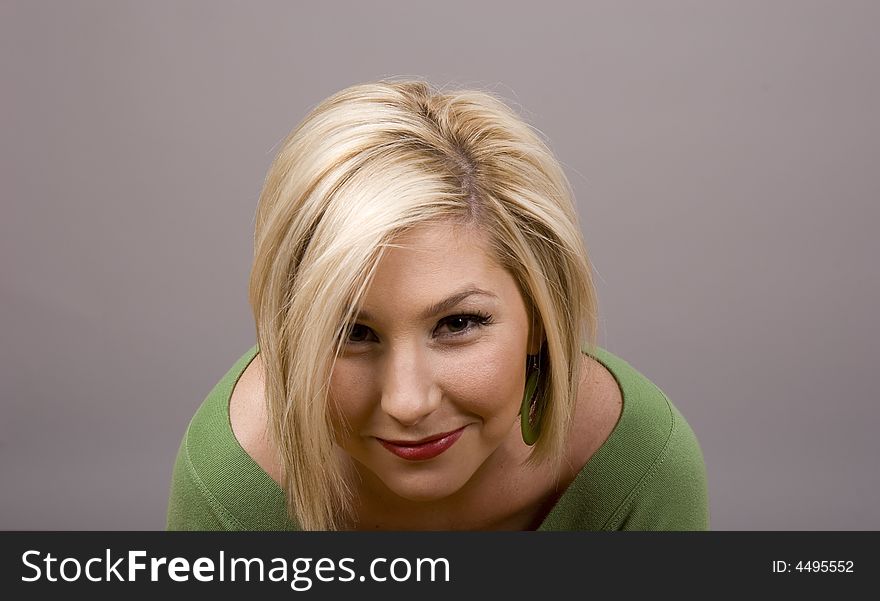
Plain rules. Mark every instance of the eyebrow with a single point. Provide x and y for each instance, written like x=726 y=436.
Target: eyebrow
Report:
x=443 y=305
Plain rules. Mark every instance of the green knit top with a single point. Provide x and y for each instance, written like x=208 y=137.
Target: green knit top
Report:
x=648 y=475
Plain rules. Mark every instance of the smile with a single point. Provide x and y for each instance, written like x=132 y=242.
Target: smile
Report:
x=424 y=449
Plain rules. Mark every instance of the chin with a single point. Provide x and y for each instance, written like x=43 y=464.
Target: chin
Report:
x=422 y=488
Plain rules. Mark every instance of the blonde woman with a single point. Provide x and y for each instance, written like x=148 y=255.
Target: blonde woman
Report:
x=426 y=352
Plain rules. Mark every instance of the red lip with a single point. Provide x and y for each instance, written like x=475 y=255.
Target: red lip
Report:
x=420 y=450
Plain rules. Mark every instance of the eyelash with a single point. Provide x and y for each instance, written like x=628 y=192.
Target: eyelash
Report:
x=479 y=320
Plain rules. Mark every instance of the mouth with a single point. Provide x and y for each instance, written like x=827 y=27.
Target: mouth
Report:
x=426 y=448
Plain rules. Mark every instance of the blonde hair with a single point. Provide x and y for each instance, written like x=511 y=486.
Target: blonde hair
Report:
x=367 y=164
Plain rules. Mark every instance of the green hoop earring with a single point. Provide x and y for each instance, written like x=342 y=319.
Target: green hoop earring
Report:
x=530 y=411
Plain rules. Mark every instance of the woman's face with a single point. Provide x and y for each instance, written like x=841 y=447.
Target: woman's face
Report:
x=417 y=368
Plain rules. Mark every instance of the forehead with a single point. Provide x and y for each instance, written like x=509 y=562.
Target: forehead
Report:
x=433 y=260
x=438 y=246
x=431 y=238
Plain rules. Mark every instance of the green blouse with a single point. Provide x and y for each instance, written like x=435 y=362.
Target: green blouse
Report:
x=648 y=475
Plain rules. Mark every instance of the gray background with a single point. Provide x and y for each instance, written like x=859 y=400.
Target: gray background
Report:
x=724 y=157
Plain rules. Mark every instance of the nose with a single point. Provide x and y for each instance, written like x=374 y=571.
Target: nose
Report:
x=408 y=391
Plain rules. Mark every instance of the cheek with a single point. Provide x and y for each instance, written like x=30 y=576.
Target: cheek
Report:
x=350 y=395
x=488 y=383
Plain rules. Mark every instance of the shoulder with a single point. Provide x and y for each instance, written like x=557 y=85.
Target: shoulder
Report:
x=204 y=458
x=215 y=484
x=248 y=418
x=597 y=412
x=665 y=474
x=673 y=495
x=648 y=474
